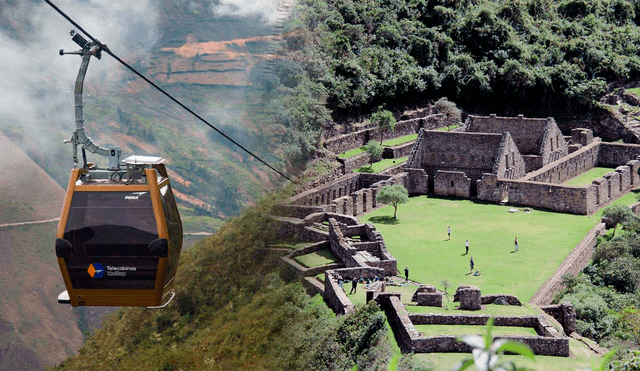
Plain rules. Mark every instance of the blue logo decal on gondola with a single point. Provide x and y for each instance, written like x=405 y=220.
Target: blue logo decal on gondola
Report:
x=96 y=270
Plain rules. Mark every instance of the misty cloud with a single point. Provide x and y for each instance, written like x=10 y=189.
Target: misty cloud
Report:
x=267 y=9
x=36 y=87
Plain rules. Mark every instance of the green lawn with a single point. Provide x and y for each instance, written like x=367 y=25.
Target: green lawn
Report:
x=381 y=165
x=449 y=307
x=316 y=259
x=418 y=240
x=400 y=140
x=459 y=330
x=387 y=143
x=589 y=176
x=448 y=128
x=635 y=91
x=351 y=153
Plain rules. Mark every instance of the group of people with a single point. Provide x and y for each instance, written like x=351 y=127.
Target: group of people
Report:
x=355 y=282
x=466 y=247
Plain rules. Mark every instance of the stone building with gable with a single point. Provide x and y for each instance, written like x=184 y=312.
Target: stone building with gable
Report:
x=451 y=163
x=539 y=141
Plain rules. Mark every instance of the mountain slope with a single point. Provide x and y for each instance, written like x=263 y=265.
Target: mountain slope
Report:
x=34 y=329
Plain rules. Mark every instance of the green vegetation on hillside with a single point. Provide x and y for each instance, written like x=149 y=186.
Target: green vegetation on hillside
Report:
x=507 y=56
x=605 y=294
x=232 y=310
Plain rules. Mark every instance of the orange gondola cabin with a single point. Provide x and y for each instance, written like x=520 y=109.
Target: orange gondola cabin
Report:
x=120 y=235
x=119 y=242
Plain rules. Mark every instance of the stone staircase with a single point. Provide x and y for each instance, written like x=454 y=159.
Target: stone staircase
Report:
x=414 y=150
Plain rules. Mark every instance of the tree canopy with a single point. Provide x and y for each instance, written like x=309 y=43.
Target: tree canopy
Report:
x=502 y=55
x=385 y=121
x=617 y=214
x=393 y=194
x=374 y=149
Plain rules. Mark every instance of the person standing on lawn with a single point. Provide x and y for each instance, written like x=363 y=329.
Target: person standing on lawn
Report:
x=516 y=242
x=471 y=263
x=466 y=246
x=449 y=233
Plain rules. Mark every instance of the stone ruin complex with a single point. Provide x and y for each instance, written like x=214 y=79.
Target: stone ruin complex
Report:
x=514 y=160
x=523 y=162
x=517 y=160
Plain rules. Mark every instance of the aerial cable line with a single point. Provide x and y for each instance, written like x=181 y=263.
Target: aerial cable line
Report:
x=108 y=51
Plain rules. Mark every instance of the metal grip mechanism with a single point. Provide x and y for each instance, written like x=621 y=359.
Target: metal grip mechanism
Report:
x=81 y=41
x=79 y=137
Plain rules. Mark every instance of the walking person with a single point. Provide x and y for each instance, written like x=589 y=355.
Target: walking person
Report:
x=516 y=242
x=466 y=246
x=471 y=263
x=449 y=233
x=406 y=274
x=354 y=286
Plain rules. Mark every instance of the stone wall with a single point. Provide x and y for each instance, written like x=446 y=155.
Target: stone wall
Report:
x=509 y=299
x=566 y=199
x=451 y=184
x=558 y=347
x=569 y=167
x=346 y=186
x=398 y=317
x=535 y=322
x=355 y=162
x=411 y=341
x=573 y=264
x=584 y=200
x=321 y=245
x=366 y=133
x=417 y=181
x=553 y=146
x=528 y=133
x=398 y=151
x=295 y=211
x=470 y=153
x=532 y=163
x=491 y=189
x=335 y=296
x=564 y=313
x=614 y=154
x=427 y=295
x=469 y=297
x=581 y=137
x=371 y=254
x=509 y=163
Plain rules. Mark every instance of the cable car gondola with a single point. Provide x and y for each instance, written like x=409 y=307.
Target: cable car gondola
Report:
x=120 y=235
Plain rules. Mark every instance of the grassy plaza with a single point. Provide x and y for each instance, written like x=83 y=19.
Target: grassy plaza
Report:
x=418 y=240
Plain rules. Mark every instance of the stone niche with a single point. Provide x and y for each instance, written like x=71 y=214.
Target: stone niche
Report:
x=428 y=296
x=452 y=184
x=564 y=313
x=470 y=297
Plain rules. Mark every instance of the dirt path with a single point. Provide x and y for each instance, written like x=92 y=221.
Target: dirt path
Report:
x=6 y=225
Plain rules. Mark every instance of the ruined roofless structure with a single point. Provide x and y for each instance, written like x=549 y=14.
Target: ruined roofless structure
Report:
x=539 y=141
x=455 y=161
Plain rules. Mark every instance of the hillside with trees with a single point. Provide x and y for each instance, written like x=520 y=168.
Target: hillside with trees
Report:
x=509 y=57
